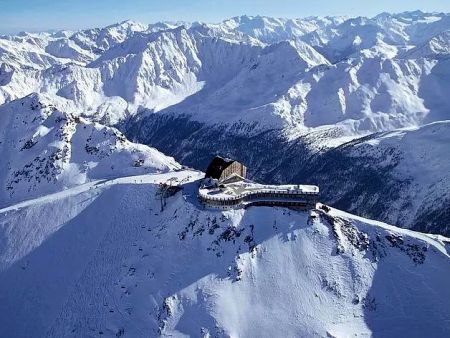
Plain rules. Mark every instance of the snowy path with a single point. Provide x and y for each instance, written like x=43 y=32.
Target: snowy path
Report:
x=103 y=184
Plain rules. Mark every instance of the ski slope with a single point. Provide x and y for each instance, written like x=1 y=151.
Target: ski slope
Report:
x=103 y=259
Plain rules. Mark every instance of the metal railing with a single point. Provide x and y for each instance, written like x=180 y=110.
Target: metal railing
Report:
x=263 y=195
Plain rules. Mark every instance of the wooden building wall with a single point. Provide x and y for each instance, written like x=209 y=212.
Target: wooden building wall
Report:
x=234 y=168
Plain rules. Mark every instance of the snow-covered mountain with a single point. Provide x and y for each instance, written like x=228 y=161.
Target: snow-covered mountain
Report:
x=103 y=259
x=46 y=150
x=401 y=177
x=371 y=74
x=437 y=47
x=359 y=106
x=275 y=93
x=365 y=75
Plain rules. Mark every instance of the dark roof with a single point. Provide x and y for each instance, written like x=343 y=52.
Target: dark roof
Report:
x=217 y=166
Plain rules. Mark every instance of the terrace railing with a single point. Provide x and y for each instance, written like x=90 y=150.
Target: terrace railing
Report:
x=271 y=196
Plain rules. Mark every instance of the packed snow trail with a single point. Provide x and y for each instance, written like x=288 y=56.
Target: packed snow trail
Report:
x=100 y=185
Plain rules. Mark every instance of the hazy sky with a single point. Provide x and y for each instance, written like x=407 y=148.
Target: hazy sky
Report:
x=32 y=15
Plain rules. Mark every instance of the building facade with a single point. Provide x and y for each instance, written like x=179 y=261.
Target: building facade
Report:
x=221 y=168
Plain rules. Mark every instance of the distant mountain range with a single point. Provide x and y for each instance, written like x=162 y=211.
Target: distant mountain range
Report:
x=283 y=95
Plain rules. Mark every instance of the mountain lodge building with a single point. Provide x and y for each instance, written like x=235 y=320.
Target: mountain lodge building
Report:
x=226 y=187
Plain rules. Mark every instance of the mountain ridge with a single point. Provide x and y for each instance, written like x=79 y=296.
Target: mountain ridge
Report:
x=322 y=262
x=172 y=77
x=46 y=150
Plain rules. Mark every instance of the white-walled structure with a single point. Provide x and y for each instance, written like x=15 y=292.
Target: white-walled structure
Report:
x=243 y=193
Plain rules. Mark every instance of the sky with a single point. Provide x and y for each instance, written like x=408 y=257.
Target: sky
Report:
x=40 y=15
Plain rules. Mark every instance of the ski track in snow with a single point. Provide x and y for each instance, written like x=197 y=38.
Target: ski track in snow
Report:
x=101 y=185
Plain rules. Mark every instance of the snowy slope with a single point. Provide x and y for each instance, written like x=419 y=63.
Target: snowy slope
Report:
x=103 y=259
x=401 y=177
x=270 y=30
x=371 y=74
x=436 y=47
x=45 y=150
